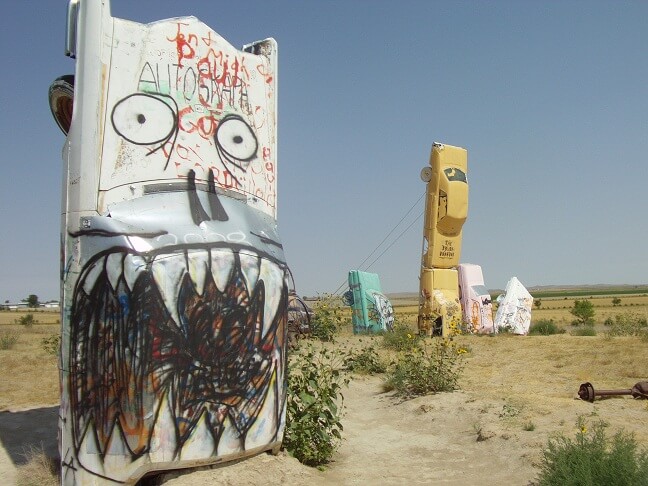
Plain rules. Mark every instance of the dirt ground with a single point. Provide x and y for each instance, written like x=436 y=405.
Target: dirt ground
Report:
x=515 y=393
x=428 y=440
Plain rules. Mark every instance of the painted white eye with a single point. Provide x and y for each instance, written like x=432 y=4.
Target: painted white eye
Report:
x=235 y=139
x=143 y=119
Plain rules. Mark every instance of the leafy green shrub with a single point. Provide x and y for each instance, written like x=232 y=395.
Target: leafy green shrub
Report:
x=365 y=361
x=584 y=331
x=421 y=371
x=52 y=344
x=326 y=321
x=583 y=311
x=592 y=458
x=507 y=329
x=401 y=338
x=8 y=340
x=628 y=324
x=545 y=327
x=27 y=320
x=314 y=405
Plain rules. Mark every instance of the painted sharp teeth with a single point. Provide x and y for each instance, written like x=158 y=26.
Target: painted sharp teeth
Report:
x=201 y=442
x=230 y=441
x=116 y=444
x=163 y=441
x=250 y=268
x=273 y=277
x=115 y=459
x=222 y=263
x=114 y=268
x=92 y=275
x=168 y=271
x=198 y=263
x=118 y=456
x=89 y=455
x=133 y=265
x=122 y=467
x=262 y=431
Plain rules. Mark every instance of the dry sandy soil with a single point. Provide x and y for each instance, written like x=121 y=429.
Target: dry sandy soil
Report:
x=428 y=440
x=515 y=393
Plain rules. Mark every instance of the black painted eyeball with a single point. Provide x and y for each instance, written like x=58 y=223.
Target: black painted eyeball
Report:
x=143 y=119
x=235 y=139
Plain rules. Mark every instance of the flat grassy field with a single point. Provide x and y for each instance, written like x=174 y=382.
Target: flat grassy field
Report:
x=30 y=373
x=33 y=376
x=515 y=393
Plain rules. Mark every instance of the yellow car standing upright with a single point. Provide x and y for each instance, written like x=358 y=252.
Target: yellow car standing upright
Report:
x=446 y=210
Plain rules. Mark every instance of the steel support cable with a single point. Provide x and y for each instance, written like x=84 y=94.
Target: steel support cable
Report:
x=344 y=282
x=398 y=238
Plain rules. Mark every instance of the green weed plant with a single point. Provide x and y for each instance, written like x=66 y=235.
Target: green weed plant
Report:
x=366 y=361
x=326 y=321
x=593 y=458
x=401 y=338
x=52 y=344
x=506 y=330
x=628 y=324
x=314 y=405
x=545 y=327
x=586 y=330
x=8 y=340
x=27 y=320
x=528 y=426
x=426 y=370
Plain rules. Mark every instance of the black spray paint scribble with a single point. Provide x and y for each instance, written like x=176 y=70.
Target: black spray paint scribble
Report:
x=128 y=357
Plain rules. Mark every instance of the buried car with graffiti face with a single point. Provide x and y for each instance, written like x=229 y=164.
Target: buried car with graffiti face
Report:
x=174 y=281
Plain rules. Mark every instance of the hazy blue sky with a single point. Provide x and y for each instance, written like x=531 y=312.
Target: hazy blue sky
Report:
x=549 y=98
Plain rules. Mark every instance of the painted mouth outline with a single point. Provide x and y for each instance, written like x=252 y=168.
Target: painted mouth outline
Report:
x=180 y=374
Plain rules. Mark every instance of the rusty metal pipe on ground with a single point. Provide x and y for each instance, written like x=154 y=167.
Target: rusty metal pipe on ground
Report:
x=588 y=393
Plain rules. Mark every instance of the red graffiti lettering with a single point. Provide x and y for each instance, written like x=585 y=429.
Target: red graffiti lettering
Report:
x=186 y=126
x=207 y=40
x=207 y=126
x=225 y=179
x=183 y=45
x=182 y=152
x=262 y=71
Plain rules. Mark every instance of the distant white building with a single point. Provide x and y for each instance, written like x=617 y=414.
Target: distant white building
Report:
x=13 y=306
x=53 y=304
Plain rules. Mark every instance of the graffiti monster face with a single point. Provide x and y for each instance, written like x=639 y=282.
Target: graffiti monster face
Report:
x=179 y=313
x=150 y=120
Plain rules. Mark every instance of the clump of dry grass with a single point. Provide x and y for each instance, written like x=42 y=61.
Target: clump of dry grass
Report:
x=39 y=470
x=8 y=340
